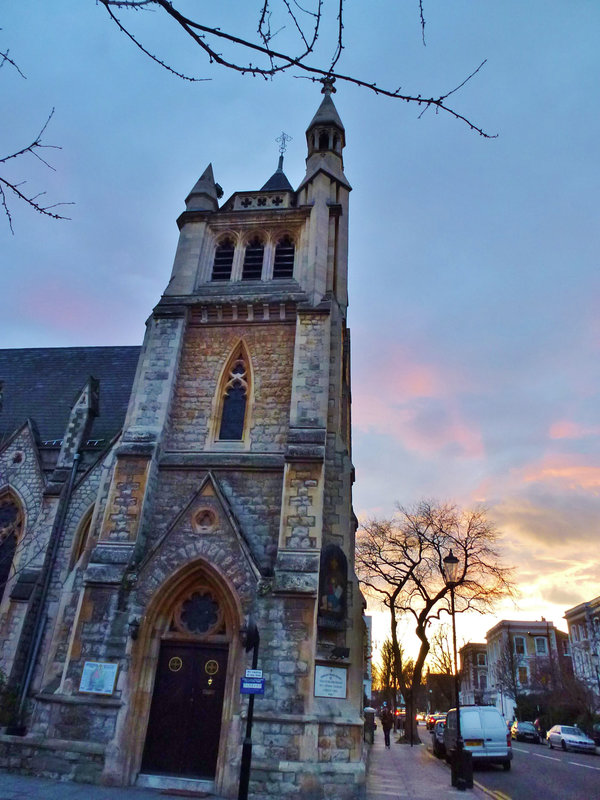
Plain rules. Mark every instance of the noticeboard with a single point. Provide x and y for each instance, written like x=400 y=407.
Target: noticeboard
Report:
x=98 y=677
x=330 y=681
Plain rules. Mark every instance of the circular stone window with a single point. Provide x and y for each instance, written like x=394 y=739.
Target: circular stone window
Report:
x=199 y=613
x=204 y=520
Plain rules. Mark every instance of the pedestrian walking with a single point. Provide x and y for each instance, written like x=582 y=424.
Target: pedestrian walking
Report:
x=387 y=722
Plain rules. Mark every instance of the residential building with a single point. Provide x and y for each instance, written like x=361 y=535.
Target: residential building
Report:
x=523 y=656
x=170 y=513
x=584 y=635
x=473 y=673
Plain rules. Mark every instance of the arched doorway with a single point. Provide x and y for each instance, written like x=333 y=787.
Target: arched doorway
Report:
x=186 y=654
x=187 y=703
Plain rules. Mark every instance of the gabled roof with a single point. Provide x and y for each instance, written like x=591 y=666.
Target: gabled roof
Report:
x=42 y=383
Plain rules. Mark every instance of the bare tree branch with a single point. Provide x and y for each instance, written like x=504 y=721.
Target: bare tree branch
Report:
x=207 y=37
x=13 y=187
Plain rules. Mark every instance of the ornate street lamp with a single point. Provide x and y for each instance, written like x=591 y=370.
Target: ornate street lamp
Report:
x=462 y=767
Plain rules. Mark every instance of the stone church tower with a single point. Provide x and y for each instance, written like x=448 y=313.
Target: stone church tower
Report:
x=224 y=502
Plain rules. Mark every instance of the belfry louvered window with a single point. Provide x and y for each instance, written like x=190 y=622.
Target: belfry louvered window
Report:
x=235 y=400
x=253 y=260
x=283 y=264
x=223 y=260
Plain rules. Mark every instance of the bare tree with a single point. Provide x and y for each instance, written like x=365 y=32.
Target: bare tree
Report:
x=440 y=657
x=400 y=562
x=286 y=38
x=14 y=188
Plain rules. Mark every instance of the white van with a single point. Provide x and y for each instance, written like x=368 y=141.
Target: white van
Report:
x=484 y=733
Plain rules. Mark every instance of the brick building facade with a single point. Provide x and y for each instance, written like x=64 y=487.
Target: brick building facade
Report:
x=141 y=543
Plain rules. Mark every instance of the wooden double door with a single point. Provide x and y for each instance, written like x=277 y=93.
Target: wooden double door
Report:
x=185 y=716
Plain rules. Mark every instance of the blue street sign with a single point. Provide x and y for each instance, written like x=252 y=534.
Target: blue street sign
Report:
x=252 y=685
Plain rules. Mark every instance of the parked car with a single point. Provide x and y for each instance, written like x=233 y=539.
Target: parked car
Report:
x=596 y=733
x=437 y=735
x=484 y=733
x=524 y=732
x=432 y=719
x=569 y=738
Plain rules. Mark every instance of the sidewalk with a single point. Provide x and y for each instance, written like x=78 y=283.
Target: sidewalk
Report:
x=410 y=773
x=21 y=787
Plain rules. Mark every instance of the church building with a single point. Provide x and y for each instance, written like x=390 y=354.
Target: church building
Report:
x=176 y=524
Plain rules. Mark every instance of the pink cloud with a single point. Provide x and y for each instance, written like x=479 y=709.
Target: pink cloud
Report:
x=414 y=403
x=571 y=472
x=567 y=429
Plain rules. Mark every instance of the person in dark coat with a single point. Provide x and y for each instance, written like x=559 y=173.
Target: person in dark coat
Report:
x=387 y=723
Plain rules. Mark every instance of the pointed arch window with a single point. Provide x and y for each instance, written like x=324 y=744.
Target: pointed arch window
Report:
x=253 y=260
x=223 y=262
x=283 y=264
x=11 y=522
x=235 y=400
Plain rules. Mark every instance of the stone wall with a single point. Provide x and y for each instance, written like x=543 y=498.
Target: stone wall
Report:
x=206 y=351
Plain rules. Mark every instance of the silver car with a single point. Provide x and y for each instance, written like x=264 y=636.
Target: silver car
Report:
x=569 y=738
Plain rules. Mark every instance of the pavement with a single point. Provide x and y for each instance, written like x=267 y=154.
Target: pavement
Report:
x=22 y=787
x=400 y=773
x=410 y=773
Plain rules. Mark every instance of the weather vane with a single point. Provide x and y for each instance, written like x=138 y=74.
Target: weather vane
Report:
x=283 y=140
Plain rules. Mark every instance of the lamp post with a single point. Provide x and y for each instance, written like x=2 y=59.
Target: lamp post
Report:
x=462 y=768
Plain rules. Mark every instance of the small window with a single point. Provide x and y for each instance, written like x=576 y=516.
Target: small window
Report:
x=324 y=141
x=283 y=265
x=481 y=659
x=253 y=260
x=540 y=646
x=223 y=260
x=234 y=402
x=519 y=645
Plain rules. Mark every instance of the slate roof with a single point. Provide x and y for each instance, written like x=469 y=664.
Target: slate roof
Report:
x=42 y=383
x=277 y=182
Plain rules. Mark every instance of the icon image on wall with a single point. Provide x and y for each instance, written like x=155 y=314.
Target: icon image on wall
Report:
x=98 y=677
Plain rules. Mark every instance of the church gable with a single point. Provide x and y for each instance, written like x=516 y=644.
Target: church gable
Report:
x=205 y=528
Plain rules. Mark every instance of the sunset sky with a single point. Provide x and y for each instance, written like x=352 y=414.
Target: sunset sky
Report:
x=474 y=277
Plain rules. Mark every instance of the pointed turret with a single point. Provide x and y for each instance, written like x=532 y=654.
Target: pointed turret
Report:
x=278 y=181
x=326 y=138
x=204 y=195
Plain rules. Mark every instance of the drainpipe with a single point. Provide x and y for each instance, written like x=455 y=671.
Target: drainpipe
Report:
x=40 y=618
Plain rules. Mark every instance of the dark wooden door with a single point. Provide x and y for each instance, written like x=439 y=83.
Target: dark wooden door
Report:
x=185 y=715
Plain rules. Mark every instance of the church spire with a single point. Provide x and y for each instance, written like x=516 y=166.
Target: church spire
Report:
x=278 y=181
x=204 y=196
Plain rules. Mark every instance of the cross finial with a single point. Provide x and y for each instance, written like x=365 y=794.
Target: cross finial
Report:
x=328 y=87
x=283 y=140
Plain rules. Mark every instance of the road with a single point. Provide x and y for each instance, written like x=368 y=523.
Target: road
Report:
x=539 y=773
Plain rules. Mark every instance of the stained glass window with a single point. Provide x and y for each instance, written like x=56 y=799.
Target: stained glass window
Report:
x=10 y=525
x=199 y=613
x=234 y=403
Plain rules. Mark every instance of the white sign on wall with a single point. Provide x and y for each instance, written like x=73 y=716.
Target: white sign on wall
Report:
x=330 y=681
x=98 y=677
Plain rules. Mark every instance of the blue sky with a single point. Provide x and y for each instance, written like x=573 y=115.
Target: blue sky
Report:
x=473 y=263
